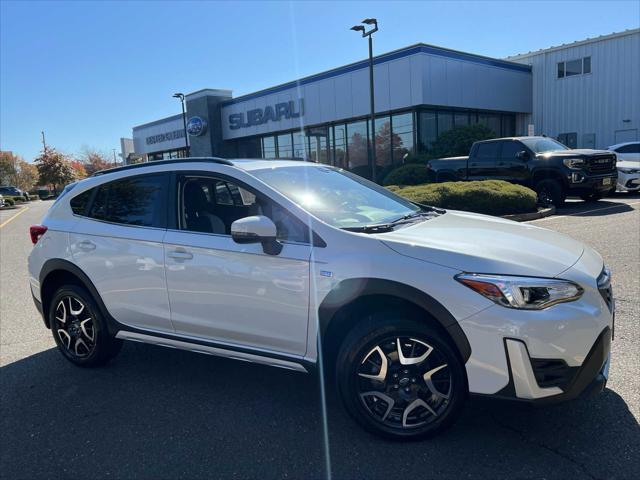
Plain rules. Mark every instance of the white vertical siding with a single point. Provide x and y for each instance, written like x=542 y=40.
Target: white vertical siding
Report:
x=603 y=102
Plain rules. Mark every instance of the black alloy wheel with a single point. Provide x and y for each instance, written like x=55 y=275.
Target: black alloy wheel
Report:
x=404 y=382
x=79 y=328
x=400 y=378
x=74 y=326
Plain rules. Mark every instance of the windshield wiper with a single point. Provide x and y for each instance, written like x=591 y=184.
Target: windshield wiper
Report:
x=388 y=227
x=373 y=228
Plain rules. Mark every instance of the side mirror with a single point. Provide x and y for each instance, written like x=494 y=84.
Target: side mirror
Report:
x=522 y=155
x=257 y=229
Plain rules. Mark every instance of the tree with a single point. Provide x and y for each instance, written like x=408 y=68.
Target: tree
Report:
x=8 y=167
x=27 y=176
x=54 y=169
x=16 y=172
x=457 y=142
x=79 y=169
x=94 y=160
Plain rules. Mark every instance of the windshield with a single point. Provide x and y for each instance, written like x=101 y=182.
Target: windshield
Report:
x=337 y=197
x=542 y=144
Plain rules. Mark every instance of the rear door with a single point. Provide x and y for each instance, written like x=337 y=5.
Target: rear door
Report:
x=509 y=166
x=117 y=242
x=230 y=293
x=483 y=161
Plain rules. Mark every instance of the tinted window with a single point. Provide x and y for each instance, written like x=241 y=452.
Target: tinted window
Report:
x=561 y=70
x=510 y=149
x=632 y=148
x=586 y=66
x=487 y=151
x=80 y=202
x=133 y=201
x=574 y=67
x=543 y=144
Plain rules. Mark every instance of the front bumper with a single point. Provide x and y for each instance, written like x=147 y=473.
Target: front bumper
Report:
x=524 y=382
x=628 y=182
x=582 y=182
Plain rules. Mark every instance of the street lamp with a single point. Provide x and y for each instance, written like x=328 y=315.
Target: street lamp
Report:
x=180 y=96
x=365 y=33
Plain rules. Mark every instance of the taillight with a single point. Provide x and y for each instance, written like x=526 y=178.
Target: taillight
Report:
x=36 y=231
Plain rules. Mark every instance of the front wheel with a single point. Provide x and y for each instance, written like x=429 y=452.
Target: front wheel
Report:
x=399 y=378
x=79 y=329
x=550 y=192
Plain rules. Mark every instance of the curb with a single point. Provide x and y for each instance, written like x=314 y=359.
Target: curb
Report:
x=525 y=217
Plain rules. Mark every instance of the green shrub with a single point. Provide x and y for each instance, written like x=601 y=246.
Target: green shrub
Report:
x=18 y=199
x=491 y=197
x=9 y=201
x=411 y=174
x=457 y=142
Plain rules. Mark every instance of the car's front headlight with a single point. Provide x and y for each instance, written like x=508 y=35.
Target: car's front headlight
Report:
x=527 y=293
x=573 y=162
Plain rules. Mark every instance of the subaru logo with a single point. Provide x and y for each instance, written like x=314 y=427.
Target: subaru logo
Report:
x=196 y=126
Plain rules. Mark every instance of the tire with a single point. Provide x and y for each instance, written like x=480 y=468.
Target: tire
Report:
x=410 y=403
x=550 y=192
x=79 y=328
x=592 y=197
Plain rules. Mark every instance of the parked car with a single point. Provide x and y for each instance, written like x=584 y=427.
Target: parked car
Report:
x=628 y=166
x=290 y=263
x=553 y=170
x=1 y=201
x=12 y=191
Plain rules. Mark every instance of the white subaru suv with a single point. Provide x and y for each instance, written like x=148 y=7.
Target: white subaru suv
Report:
x=299 y=265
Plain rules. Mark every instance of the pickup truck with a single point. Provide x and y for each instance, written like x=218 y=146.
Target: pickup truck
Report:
x=553 y=170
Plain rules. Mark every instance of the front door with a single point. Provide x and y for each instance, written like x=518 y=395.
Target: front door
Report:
x=510 y=167
x=230 y=293
x=482 y=164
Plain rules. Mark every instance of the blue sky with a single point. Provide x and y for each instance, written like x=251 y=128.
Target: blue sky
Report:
x=86 y=72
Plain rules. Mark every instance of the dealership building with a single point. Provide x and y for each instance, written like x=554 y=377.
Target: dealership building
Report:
x=587 y=94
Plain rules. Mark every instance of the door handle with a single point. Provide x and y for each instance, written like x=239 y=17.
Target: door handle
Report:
x=180 y=255
x=86 y=245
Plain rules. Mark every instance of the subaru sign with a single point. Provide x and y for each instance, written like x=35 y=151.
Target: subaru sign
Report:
x=196 y=126
x=259 y=116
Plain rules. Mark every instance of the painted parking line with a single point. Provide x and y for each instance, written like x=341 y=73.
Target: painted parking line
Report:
x=552 y=217
x=14 y=217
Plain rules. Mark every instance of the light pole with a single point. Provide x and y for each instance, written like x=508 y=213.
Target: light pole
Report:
x=115 y=162
x=180 y=96
x=365 y=33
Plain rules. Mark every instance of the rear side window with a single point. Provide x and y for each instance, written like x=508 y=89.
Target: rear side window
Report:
x=631 y=148
x=487 y=151
x=79 y=203
x=139 y=201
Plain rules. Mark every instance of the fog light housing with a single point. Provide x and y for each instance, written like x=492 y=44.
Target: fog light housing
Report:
x=577 y=177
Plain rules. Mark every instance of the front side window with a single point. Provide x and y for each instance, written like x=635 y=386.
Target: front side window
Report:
x=337 y=197
x=205 y=213
x=138 y=201
x=510 y=150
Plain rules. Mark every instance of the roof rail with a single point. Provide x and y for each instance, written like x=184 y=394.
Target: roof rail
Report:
x=151 y=163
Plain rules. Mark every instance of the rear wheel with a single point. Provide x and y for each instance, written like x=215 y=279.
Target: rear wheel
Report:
x=550 y=192
x=592 y=197
x=79 y=329
x=399 y=378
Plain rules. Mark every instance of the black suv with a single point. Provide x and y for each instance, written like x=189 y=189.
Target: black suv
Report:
x=543 y=164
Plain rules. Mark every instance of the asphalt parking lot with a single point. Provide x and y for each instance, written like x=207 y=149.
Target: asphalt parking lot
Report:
x=161 y=413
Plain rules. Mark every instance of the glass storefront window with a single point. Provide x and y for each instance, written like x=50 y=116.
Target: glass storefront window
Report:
x=357 y=148
x=445 y=122
x=461 y=119
x=491 y=120
x=508 y=125
x=285 y=149
x=428 y=129
x=299 y=145
x=268 y=147
x=402 y=127
x=340 y=150
x=383 y=141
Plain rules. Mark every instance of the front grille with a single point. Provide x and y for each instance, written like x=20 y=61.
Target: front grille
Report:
x=604 y=287
x=552 y=373
x=601 y=163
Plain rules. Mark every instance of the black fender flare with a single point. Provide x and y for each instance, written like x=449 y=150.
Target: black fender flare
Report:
x=58 y=264
x=352 y=289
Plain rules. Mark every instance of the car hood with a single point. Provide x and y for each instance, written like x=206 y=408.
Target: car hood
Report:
x=482 y=244
x=576 y=152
